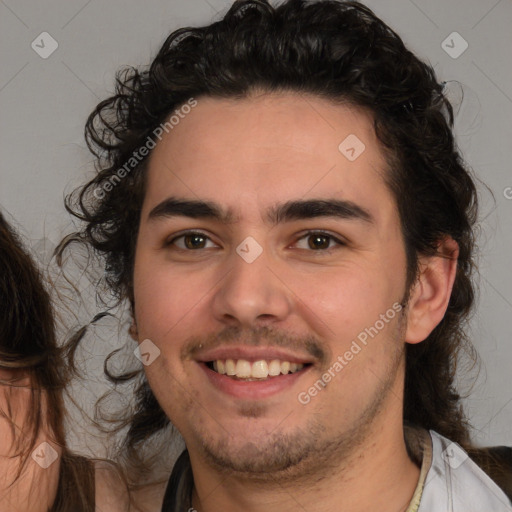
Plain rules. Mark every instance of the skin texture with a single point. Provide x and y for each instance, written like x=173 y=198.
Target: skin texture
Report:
x=344 y=450
x=36 y=487
x=111 y=493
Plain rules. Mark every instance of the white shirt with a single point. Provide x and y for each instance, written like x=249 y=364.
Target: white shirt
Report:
x=452 y=482
x=449 y=480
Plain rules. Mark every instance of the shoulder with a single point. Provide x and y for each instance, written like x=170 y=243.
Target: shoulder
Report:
x=456 y=483
x=111 y=490
x=113 y=493
x=496 y=461
x=148 y=498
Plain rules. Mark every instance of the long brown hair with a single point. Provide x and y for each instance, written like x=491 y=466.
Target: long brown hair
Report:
x=29 y=349
x=28 y=344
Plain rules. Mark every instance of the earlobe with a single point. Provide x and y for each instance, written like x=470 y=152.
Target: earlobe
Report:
x=431 y=293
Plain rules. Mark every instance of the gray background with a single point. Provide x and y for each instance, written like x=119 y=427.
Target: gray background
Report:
x=44 y=104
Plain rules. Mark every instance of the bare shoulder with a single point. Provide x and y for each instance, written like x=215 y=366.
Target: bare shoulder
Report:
x=111 y=490
x=113 y=494
x=148 y=498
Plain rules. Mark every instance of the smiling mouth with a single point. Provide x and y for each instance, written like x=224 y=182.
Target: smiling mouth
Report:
x=241 y=369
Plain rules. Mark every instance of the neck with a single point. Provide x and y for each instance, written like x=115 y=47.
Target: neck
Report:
x=377 y=474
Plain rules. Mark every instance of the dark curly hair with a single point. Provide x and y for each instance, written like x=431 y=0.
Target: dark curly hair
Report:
x=335 y=50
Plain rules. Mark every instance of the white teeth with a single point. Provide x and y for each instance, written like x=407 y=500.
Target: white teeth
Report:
x=259 y=370
x=230 y=367
x=274 y=367
x=243 y=369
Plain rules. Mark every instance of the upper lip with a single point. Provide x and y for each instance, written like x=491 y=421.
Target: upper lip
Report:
x=251 y=354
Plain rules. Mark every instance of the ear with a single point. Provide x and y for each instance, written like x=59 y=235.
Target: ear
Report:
x=431 y=293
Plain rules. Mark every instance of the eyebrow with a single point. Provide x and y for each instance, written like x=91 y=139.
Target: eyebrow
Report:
x=277 y=214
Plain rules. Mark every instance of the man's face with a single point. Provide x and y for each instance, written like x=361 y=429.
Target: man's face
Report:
x=259 y=292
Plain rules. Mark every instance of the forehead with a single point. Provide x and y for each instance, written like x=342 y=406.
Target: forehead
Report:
x=267 y=149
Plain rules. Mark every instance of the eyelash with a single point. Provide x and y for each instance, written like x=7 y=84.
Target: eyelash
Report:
x=305 y=235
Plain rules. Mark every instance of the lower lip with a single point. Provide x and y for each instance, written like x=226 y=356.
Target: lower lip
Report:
x=253 y=389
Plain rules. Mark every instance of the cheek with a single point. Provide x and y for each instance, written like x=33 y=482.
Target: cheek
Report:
x=347 y=300
x=162 y=298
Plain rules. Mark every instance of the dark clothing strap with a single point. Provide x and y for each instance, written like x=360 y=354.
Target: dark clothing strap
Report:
x=178 y=494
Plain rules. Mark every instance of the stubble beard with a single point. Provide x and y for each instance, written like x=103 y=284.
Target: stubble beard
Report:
x=308 y=453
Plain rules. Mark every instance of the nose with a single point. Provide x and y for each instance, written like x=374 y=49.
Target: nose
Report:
x=251 y=293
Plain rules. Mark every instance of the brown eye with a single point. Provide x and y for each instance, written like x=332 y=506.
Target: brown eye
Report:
x=194 y=241
x=319 y=241
x=190 y=241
